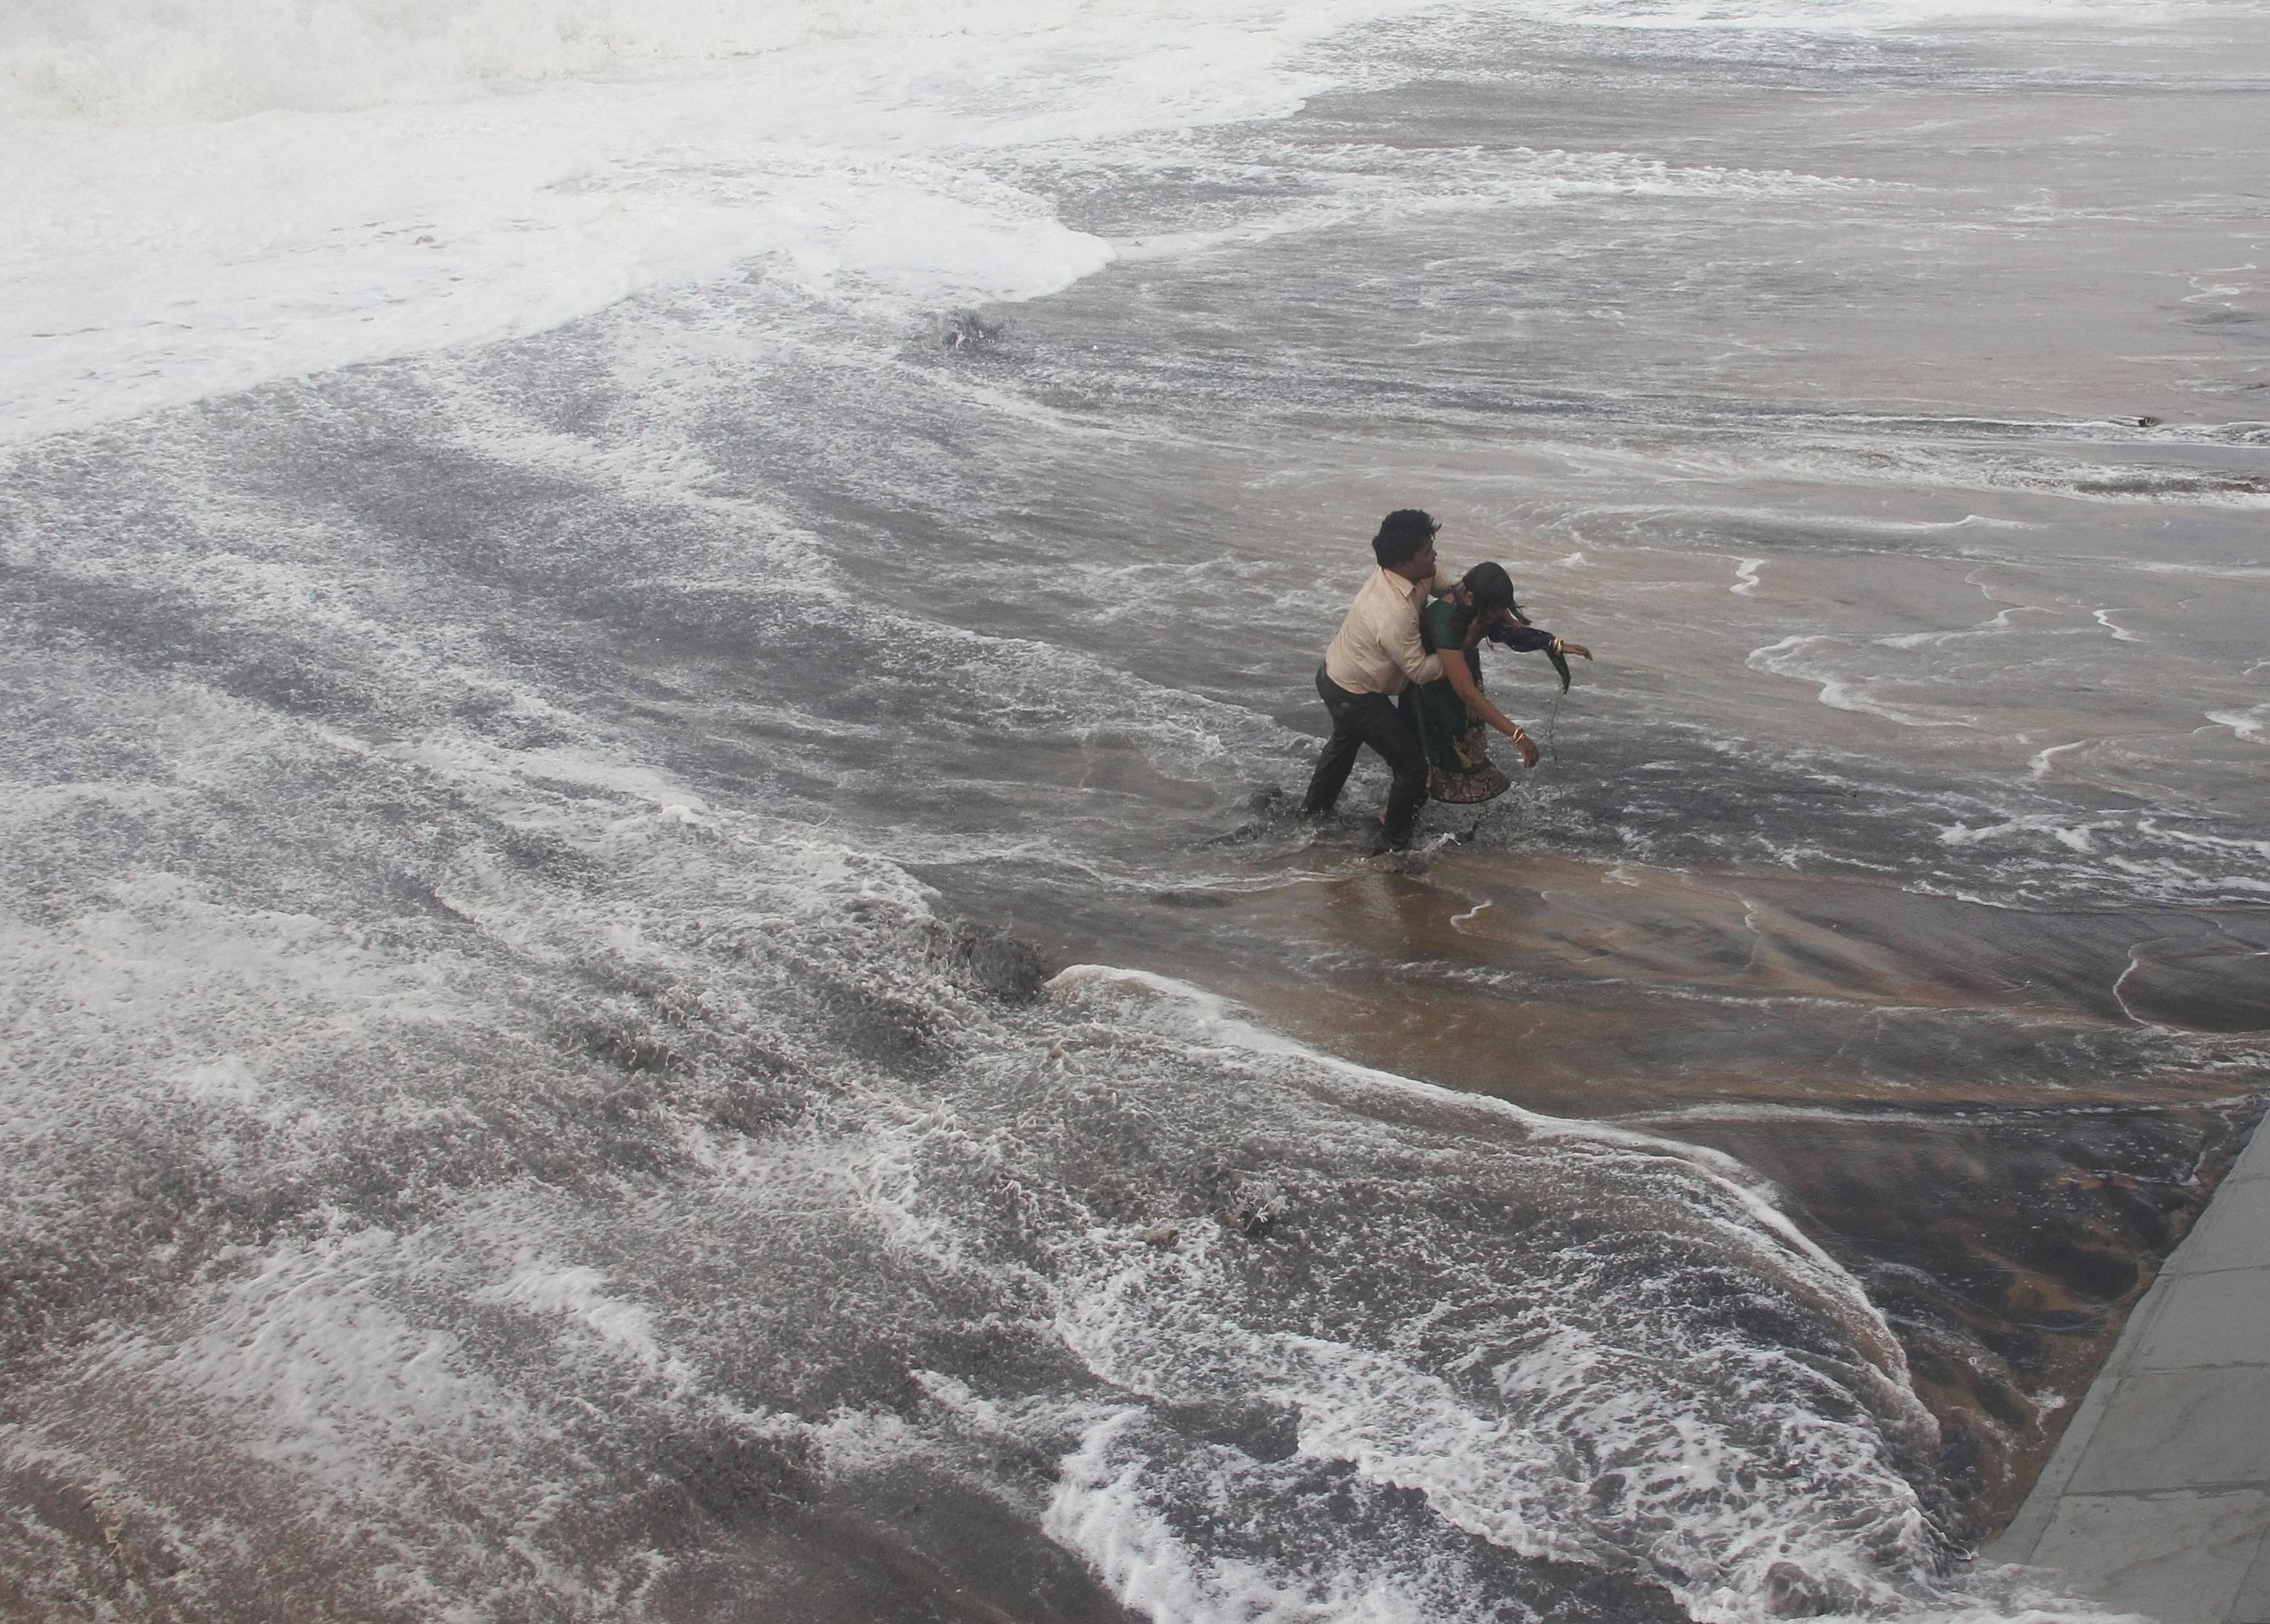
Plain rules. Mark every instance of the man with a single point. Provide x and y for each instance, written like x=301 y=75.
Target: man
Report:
x=1375 y=656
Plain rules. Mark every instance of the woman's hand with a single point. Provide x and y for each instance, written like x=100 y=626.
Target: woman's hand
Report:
x=1462 y=684
x=1578 y=649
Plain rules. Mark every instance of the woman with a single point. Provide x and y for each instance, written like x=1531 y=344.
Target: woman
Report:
x=1452 y=713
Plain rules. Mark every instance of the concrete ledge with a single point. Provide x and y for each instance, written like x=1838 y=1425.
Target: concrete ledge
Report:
x=2254 y=1603
x=2208 y=1319
x=2157 y=1499
x=2230 y=1234
x=2181 y=1558
x=2199 y=1429
x=2017 y=1543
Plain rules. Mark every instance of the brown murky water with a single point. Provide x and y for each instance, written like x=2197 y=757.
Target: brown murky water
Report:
x=1949 y=1096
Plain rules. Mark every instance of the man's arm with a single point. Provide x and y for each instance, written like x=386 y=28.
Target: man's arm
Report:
x=1404 y=646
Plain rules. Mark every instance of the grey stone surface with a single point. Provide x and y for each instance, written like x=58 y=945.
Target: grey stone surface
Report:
x=2158 y=1499
x=2235 y=1231
x=2254 y=1603
x=2179 y=1558
x=2160 y=1495
x=2017 y=1542
x=2181 y=1429
x=2221 y=1318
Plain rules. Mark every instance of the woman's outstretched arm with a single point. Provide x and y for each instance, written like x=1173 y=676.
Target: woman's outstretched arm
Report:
x=1462 y=685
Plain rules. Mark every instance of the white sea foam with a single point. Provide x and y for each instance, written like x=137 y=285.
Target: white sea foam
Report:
x=1810 y=657
x=310 y=1357
x=1382 y=183
x=1863 y=16
x=2251 y=724
x=2038 y=766
x=140 y=61
x=359 y=217
x=579 y=1294
x=2216 y=572
x=2073 y=836
x=849 y=172
x=138 y=275
x=388 y=199
x=1535 y=1426
x=212 y=194
x=2178 y=882
x=1098 y=1508
x=1733 y=517
x=145 y=61
x=529 y=1347
x=2200 y=840
x=1193 y=1013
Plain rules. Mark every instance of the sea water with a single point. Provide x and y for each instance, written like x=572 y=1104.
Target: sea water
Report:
x=658 y=962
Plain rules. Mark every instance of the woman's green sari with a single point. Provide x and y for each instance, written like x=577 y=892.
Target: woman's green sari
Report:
x=1458 y=767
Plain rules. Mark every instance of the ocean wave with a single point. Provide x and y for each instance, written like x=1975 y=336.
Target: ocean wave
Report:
x=150 y=61
x=144 y=61
x=608 y=1171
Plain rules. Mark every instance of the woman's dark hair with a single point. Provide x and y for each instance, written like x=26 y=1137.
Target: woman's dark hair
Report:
x=1487 y=589
x=1401 y=535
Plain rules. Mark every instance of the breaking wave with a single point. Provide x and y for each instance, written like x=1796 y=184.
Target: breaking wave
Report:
x=140 y=60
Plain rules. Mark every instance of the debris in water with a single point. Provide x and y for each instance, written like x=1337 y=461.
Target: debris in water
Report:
x=1255 y=1207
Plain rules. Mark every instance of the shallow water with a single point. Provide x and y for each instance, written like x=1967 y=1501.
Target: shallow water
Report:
x=530 y=1087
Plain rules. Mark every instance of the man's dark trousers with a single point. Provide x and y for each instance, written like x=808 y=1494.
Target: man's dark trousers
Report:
x=1371 y=719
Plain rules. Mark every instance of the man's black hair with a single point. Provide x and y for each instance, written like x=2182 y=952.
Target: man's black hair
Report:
x=1402 y=534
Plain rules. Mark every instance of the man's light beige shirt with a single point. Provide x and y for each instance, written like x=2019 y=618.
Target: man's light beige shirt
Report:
x=1378 y=649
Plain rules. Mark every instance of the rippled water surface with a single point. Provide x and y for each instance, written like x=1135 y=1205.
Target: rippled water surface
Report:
x=659 y=964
